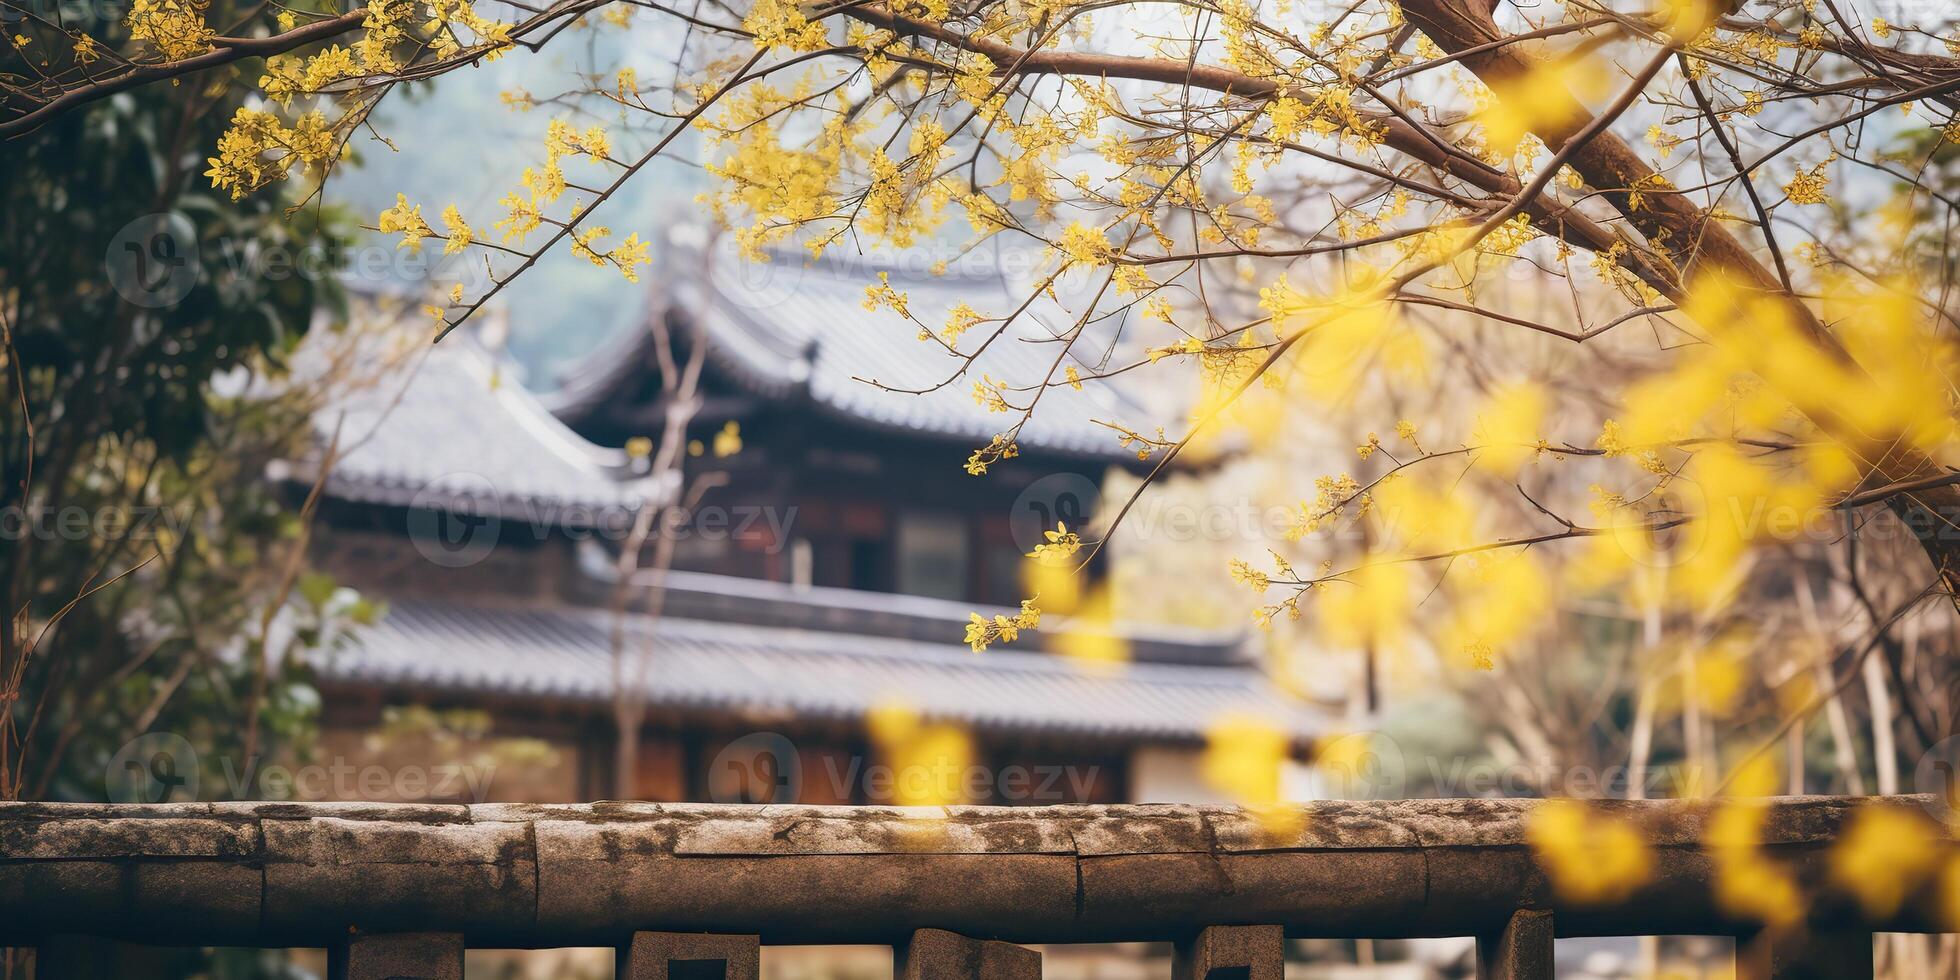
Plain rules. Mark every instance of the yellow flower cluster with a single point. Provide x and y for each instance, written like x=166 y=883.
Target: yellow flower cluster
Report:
x=998 y=449
x=1084 y=245
x=781 y=24
x=982 y=632
x=259 y=148
x=175 y=28
x=782 y=188
x=406 y=220
x=1807 y=186
x=883 y=296
x=1062 y=544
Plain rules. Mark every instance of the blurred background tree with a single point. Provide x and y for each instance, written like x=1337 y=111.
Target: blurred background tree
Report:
x=144 y=547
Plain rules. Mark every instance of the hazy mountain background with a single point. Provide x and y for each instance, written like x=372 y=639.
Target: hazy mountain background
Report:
x=456 y=142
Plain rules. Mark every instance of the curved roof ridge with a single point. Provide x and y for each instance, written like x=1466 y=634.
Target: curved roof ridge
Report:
x=454 y=432
x=801 y=322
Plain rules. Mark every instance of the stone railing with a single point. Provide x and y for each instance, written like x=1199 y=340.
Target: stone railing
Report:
x=687 y=892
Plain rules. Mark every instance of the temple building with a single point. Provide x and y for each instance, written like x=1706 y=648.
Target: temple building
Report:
x=835 y=550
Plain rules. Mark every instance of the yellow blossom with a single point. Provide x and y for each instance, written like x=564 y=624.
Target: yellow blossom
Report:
x=1085 y=245
x=1882 y=855
x=408 y=221
x=728 y=439
x=1807 y=186
x=1062 y=543
x=459 y=232
x=1590 y=857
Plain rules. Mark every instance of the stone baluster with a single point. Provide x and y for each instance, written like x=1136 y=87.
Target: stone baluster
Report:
x=397 y=956
x=1232 y=953
x=690 y=956
x=1522 y=951
x=935 y=954
x=1805 y=956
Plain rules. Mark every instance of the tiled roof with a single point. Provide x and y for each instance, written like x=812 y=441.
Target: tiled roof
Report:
x=563 y=652
x=924 y=619
x=450 y=433
x=795 y=325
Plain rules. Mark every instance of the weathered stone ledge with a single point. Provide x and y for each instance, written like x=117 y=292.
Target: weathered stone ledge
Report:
x=517 y=875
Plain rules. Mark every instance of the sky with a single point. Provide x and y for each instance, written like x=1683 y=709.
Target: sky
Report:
x=457 y=143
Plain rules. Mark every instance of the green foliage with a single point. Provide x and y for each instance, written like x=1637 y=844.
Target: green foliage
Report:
x=118 y=454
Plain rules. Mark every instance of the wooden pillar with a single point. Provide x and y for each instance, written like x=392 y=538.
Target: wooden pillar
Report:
x=1523 y=951
x=690 y=956
x=935 y=954
x=1805 y=956
x=1232 y=953
x=397 y=956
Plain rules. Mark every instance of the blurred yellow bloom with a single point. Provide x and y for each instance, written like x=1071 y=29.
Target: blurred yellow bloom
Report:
x=1418 y=518
x=1507 y=435
x=1496 y=599
x=1536 y=100
x=929 y=762
x=1590 y=857
x=1245 y=759
x=1091 y=638
x=1370 y=609
x=728 y=439
x=1882 y=856
x=1347 y=338
x=1748 y=885
x=1057 y=585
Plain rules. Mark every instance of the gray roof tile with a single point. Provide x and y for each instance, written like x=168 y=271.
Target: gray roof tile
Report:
x=797 y=324
x=563 y=652
x=452 y=433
